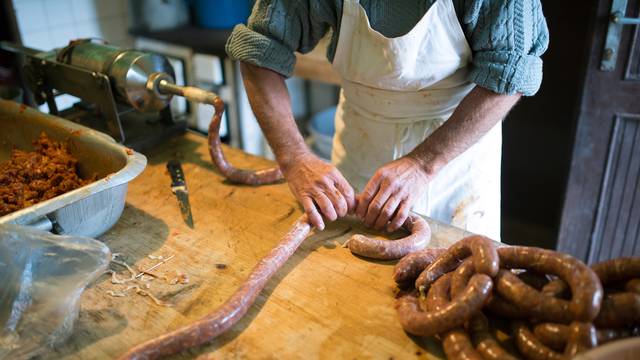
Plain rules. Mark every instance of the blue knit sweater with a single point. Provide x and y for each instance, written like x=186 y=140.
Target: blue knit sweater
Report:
x=507 y=37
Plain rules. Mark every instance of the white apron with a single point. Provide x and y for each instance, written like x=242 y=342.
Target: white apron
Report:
x=395 y=93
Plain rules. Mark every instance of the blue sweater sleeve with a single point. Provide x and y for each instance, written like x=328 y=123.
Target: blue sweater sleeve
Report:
x=278 y=28
x=507 y=38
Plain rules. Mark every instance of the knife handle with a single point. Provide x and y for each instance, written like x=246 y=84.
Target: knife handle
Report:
x=177 y=175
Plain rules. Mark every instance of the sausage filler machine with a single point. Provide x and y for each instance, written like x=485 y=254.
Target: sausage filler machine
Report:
x=125 y=93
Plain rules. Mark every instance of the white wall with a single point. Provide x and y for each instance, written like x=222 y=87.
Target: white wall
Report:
x=47 y=24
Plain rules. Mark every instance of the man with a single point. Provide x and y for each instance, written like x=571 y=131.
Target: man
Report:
x=425 y=87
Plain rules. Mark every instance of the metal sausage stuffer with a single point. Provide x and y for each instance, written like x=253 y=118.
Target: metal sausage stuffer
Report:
x=115 y=80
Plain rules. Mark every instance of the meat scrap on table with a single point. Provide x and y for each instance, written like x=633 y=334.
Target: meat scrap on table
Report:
x=141 y=281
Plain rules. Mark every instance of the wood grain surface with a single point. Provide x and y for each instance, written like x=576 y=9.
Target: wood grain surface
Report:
x=324 y=304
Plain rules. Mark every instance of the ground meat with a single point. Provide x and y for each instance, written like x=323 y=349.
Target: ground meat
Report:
x=31 y=177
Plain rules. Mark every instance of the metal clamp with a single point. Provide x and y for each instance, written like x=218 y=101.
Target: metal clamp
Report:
x=612 y=42
x=619 y=18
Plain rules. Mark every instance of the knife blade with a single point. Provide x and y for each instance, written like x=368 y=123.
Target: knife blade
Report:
x=179 y=187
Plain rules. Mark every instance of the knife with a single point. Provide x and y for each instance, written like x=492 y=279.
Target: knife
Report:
x=179 y=187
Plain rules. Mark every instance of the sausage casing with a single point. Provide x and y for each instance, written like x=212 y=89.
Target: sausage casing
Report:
x=232 y=310
x=238 y=176
x=481 y=248
x=530 y=346
x=620 y=269
x=582 y=337
x=393 y=249
x=410 y=266
x=618 y=310
x=452 y=315
x=586 y=288
x=484 y=342
x=455 y=342
x=538 y=306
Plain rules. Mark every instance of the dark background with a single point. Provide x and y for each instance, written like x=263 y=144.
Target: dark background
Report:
x=538 y=134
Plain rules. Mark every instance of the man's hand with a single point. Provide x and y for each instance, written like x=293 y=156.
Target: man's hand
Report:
x=389 y=195
x=320 y=188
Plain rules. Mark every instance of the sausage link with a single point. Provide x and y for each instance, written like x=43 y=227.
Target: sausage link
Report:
x=496 y=304
x=485 y=259
x=616 y=270
x=557 y=288
x=555 y=335
x=552 y=335
x=582 y=337
x=410 y=266
x=452 y=315
x=530 y=347
x=618 y=310
x=585 y=286
x=484 y=342
x=395 y=249
x=633 y=286
x=538 y=306
x=232 y=310
x=456 y=342
x=457 y=346
x=607 y=335
x=238 y=176
x=461 y=277
x=438 y=295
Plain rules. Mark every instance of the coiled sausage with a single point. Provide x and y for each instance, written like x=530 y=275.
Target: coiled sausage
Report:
x=585 y=286
x=394 y=249
x=410 y=266
x=485 y=259
x=452 y=315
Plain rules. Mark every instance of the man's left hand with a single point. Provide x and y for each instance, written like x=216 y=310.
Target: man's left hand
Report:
x=389 y=195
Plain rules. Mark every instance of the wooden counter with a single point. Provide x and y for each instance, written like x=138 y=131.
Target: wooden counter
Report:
x=324 y=304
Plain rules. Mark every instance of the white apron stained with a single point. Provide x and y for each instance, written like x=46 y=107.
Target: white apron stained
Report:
x=395 y=93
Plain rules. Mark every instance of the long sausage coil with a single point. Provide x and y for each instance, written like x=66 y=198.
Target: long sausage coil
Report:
x=233 y=174
x=231 y=311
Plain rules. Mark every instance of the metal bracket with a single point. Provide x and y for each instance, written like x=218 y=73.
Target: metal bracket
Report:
x=617 y=20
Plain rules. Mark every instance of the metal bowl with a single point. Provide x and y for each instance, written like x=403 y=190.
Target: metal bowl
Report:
x=89 y=210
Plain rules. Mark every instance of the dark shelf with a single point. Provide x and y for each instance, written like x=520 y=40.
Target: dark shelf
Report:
x=201 y=40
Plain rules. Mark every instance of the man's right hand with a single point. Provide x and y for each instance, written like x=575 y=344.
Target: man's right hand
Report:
x=320 y=188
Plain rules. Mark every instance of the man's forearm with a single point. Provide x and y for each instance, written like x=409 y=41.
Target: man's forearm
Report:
x=271 y=104
x=478 y=113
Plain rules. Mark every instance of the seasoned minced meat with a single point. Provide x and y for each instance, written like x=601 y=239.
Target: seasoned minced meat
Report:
x=30 y=177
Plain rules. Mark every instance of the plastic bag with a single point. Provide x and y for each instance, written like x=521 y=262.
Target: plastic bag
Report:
x=42 y=277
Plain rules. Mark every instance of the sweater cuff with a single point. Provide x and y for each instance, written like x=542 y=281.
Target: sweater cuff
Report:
x=254 y=48
x=507 y=73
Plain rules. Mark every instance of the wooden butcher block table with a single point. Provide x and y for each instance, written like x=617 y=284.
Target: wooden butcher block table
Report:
x=325 y=303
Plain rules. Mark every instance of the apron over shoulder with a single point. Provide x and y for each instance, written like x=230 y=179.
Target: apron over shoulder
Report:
x=398 y=91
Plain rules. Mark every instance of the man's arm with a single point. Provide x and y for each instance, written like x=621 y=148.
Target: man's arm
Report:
x=318 y=186
x=394 y=188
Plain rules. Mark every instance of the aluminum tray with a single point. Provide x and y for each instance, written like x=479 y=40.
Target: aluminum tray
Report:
x=90 y=210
